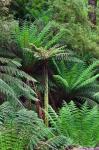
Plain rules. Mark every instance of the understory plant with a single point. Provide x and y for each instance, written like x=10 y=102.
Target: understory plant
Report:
x=79 y=82
x=23 y=129
x=30 y=10
x=80 y=124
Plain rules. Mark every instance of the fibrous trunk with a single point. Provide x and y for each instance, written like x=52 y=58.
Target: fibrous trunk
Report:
x=46 y=101
x=92 y=12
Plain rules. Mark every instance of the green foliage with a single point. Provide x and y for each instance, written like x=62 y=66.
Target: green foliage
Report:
x=42 y=42
x=80 y=35
x=43 y=45
x=23 y=129
x=4 y=10
x=79 y=83
x=30 y=10
x=7 y=28
x=19 y=129
x=81 y=125
x=41 y=49
x=12 y=83
x=70 y=11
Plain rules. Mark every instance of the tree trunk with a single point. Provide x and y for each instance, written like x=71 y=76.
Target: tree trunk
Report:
x=46 y=101
x=92 y=12
x=38 y=103
x=39 y=110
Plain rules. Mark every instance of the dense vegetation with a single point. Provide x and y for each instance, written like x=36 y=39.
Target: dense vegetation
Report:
x=49 y=74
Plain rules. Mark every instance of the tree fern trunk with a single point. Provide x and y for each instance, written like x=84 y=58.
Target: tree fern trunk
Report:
x=46 y=101
x=92 y=13
x=38 y=104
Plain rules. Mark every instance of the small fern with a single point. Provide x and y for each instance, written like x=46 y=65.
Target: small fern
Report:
x=81 y=125
x=24 y=130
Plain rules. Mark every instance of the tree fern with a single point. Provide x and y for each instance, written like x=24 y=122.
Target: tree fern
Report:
x=80 y=83
x=43 y=45
x=42 y=39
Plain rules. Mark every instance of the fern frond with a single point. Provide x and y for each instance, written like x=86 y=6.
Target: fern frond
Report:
x=7 y=90
x=73 y=122
x=81 y=86
x=86 y=73
x=88 y=81
x=62 y=82
x=11 y=84
x=14 y=71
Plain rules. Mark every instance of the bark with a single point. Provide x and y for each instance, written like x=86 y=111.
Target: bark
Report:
x=39 y=110
x=92 y=12
x=38 y=103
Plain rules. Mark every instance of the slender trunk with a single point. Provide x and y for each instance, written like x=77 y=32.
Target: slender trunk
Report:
x=38 y=103
x=46 y=101
x=92 y=12
x=39 y=110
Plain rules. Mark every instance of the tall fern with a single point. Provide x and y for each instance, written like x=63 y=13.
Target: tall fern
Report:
x=42 y=45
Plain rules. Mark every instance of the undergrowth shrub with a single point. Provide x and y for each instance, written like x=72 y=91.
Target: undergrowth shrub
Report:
x=24 y=130
x=30 y=10
x=80 y=124
x=80 y=35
